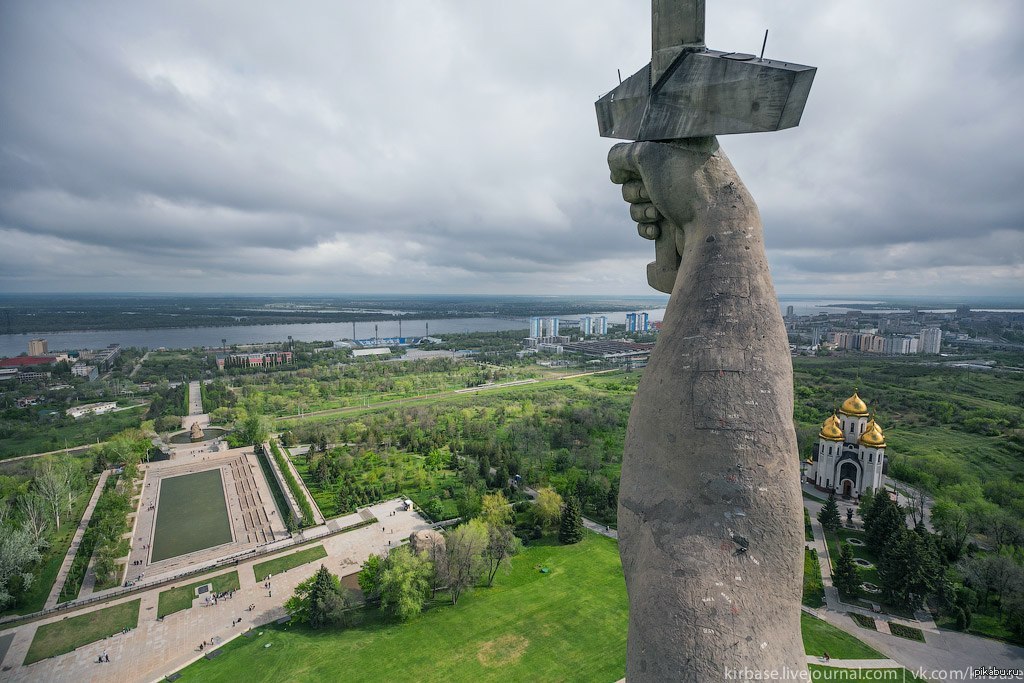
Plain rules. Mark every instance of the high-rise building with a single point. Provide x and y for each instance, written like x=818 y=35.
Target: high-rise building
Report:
x=638 y=322
x=789 y=311
x=602 y=325
x=816 y=332
x=37 y=347
x=586 y=326
x=535 y=327
x=549 y=327
x=931 y=340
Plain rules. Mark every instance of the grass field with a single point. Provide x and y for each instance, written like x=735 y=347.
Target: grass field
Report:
x=569 y=624
x=286 y=562
x=180 y=598
x=835 y=540
x=814 y=590
x=27 y=437
x=821 y=637
x=66 y=635
x=529 y=626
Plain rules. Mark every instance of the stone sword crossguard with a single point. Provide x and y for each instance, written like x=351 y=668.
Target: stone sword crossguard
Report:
x=689 y=92
x=709 y=499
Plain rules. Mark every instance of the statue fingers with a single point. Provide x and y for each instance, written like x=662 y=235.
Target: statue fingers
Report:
x=622 y=162
x=644 y=213
x=649 y=231
x=635 y=192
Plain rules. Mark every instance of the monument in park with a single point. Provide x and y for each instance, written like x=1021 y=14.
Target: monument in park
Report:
x=710 y=519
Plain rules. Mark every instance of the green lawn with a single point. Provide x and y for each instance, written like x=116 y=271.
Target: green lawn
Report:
x=25 y=437
x=814 y=591
x=870 y=575
x=67 y=634
x=286 y=562
x=180 y=598
x=568 y=624
x=821 y=636
x=986 y=625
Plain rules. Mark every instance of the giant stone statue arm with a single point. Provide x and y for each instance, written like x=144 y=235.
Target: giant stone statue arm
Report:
x=709 y=498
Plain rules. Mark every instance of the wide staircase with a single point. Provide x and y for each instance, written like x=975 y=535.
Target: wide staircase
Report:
x=256 y=524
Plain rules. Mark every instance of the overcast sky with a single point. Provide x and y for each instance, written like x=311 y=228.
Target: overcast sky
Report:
x=449 y=147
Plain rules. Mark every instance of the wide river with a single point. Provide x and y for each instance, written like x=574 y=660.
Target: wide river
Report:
x=188 y=337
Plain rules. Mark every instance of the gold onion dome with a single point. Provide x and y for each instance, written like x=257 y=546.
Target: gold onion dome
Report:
x=831 y=430
x=873 y=436
x=854 y=406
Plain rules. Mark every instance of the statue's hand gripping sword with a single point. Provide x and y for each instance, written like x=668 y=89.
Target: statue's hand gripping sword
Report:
x=688 y=91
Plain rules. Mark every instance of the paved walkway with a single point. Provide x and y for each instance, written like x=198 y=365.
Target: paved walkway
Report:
x=158 y=648
x=602 y=529
x=195 y=399
x=69 y=558
x=854 y=663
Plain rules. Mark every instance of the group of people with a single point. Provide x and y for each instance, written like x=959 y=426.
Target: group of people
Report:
x=103 y=658
x=224 y=595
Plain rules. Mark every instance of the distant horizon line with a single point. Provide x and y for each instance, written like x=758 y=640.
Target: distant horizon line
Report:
x=858 y=298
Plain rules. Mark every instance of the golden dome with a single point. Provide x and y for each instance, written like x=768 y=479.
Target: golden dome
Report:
x=854 y=406
x=830 y=429
x=872 y=436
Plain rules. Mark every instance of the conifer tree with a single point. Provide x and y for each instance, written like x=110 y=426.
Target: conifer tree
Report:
x=829 y=514
x=847 y=576
x=571 y=529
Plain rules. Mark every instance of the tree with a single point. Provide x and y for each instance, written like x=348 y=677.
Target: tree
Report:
x=548 y=508
x=993 y=574
x=495 y=510
x=571 y=528
x=886 y=520
x=320 y=601
x=468 y=504
x=918 y=502
x=404 y=583
x=502 y=544
x=369 y=577
x=17 y=552
x=52 y=482
x=829 y=514
x=847 y=576
x=34 y=516
x=254 y=430
x=954 y=524
x=908 y=569
x=464 y=557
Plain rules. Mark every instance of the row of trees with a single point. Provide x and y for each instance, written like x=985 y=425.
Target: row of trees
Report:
x=916 y=567
x=30 y=515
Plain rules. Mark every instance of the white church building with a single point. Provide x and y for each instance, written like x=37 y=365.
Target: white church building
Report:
x=850 y=452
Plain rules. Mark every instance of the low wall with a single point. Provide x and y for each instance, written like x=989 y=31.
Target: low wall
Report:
x=289 y=497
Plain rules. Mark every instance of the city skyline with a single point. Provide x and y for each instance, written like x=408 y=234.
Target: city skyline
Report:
x=238 y=148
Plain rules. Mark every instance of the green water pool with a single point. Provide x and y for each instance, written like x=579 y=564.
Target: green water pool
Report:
x=191 y=515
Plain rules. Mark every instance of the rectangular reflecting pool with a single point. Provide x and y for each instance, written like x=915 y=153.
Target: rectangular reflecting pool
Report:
x=191 y=515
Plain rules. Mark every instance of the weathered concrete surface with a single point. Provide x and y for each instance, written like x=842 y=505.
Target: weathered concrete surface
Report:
x=709 y=506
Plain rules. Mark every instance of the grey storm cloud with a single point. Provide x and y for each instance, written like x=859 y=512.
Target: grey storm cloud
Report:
x=452 y=147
